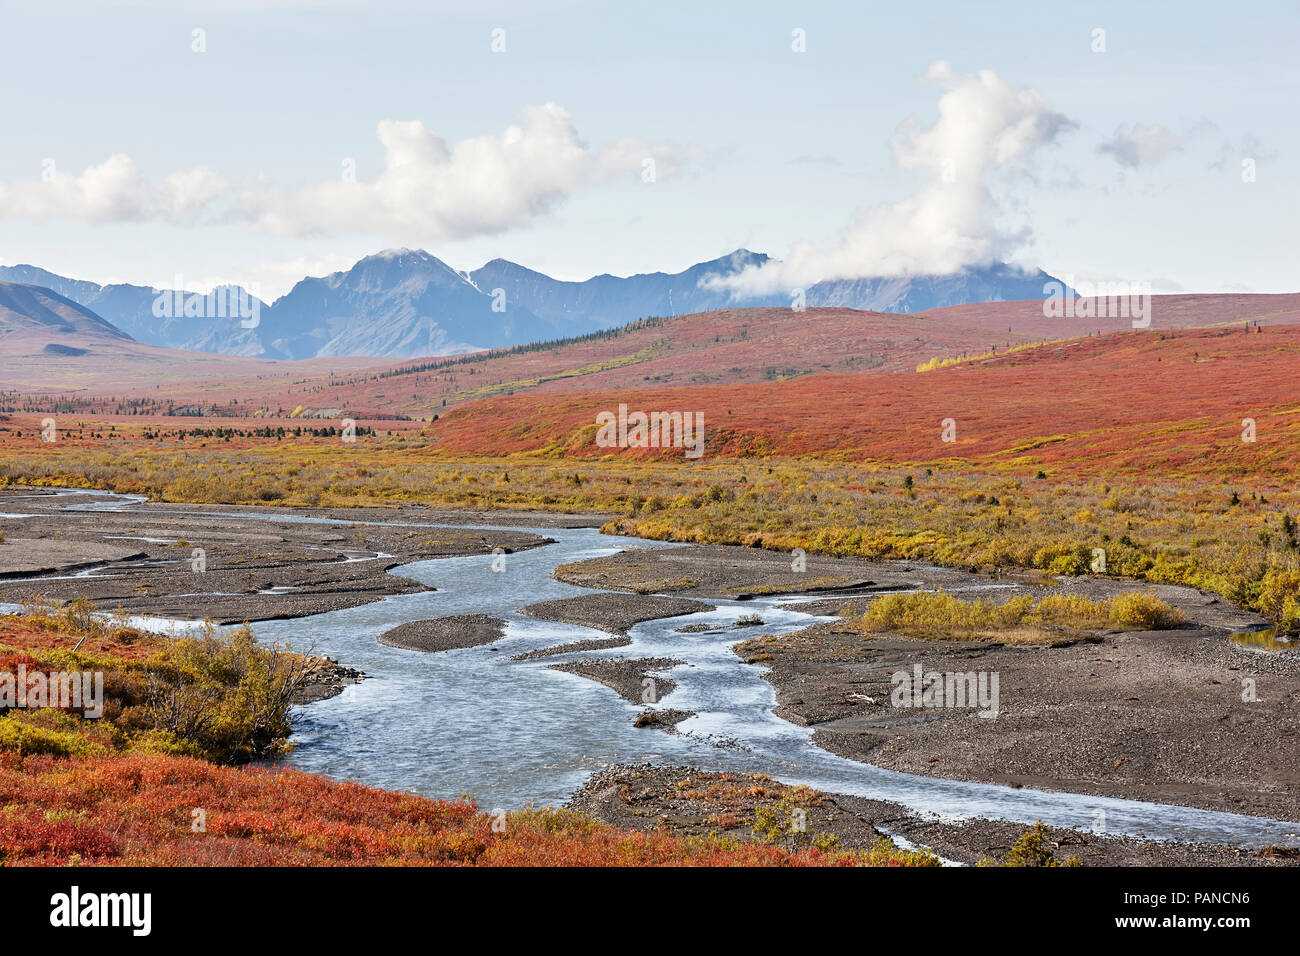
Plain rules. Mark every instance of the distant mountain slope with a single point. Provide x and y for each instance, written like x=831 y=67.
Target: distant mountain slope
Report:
x=397 y=303
x=34 y=313
x=996 y=283
x=607 y=301
x=75 y=289
x=51 y=345
x=409 y=303
x=131 y=308
x=400 y=303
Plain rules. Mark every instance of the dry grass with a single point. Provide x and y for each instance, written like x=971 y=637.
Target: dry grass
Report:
x=1021 y=620
x=1238 y=540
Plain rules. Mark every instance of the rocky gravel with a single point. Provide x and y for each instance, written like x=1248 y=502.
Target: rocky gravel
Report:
x=226 y=564
x=612 y=613
x=445 y=633
x=1179 y=716
x=627 y=676
x=324 y=677
x=691 y=801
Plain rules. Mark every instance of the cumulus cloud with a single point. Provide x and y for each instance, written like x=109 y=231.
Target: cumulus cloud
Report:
x=477 y=186
x=189 y=192
x=427 y=188
x=985 y=128
x=1140 y=144
x=113 y=190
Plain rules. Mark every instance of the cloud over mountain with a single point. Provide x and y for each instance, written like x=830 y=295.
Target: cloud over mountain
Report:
x=986 y=128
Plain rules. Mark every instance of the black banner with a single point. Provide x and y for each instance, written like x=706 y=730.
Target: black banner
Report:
x=144 y=907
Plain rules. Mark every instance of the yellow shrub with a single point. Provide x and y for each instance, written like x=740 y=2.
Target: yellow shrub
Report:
x=939 y=614
x=1072 y=610
x=1144 y=612
x=28 y=739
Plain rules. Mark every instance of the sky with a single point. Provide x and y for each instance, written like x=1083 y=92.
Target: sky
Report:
x=258 y=142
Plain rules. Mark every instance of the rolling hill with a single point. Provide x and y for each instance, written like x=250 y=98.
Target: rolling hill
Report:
x=731 y=346
x=1115 y=404
x=44 y=322
x=727 y=346
x=724 y=347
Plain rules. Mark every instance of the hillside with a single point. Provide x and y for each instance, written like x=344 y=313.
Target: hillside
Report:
x=131 y=309
x=724 y=347
x=51 y=345
x=41 y=319
x=1112 y=405
x=1167 y=312
x=729 y=346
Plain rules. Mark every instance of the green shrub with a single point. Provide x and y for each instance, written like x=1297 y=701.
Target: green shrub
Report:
x=227 y=696
x=27 y=739
x=1033 y=849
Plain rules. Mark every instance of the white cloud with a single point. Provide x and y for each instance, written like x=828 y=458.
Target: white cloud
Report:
x=112 y=191
x=427 y=190
x=478 y=186
x=115 y=190
x=985 y=127
x=190 y=192
x=1140 y=144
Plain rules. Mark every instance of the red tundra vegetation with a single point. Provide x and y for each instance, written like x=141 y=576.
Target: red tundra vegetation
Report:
x=140 y=809
x=1111 y=405
x=134 y=788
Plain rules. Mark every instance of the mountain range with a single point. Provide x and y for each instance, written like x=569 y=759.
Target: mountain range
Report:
x=405 y=303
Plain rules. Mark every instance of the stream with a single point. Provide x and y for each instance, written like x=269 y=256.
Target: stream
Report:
x=517 y=733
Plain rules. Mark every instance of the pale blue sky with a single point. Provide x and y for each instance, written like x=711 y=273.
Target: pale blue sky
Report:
x=777 y=148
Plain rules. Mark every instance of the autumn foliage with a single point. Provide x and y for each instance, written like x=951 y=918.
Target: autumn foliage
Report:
x=114 y=791
x=146 y=809
x=1115 y=405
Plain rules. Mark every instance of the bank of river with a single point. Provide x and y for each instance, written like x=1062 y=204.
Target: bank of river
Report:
x=513 y=730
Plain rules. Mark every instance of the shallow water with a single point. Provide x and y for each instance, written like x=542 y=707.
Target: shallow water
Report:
x=1264 y=639
x=513 y=733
